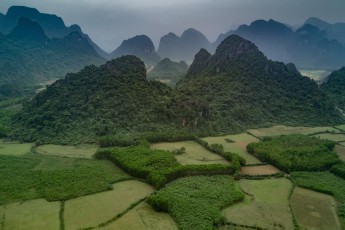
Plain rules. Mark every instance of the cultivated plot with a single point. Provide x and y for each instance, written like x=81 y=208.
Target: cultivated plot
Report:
x=84 y=151
x=236 y=144
x=340 y=150
x=33 y=214
x=194 y=153
x=314 y=210
x=259 y=170
x=14 y=148
x=331 y=136
x=145 y=218
x=268 y=206
x=285 y=130
x=92 y=210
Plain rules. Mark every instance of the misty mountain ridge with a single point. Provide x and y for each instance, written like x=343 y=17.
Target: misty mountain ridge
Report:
x=182 y=48
x=140 y=46
x=28 y=55
x=53 y=25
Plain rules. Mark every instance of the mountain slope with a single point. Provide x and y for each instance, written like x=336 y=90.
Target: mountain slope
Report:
x=182 y=48
x=168 y=71
x=140 y=46
x=28 y=56
x=238 y=87
x=112 y=98
x=53 y=25
x=334 y=87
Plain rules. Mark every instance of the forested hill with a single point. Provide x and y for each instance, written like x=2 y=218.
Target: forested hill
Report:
x=335 y=87
x=234 y=89
x=28 y=56
x=238 y=87
x=112 y=98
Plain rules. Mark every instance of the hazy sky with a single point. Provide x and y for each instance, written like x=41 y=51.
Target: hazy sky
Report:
x=108 y=22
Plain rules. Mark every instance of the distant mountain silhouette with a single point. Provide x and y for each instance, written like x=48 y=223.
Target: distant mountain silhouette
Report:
x=53 y=26
x=333 y=31
x=308 y=47
x=140 y=46
x=182 y=48
x=28 y=56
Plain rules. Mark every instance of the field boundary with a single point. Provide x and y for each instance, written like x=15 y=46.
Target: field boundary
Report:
x=61 y=215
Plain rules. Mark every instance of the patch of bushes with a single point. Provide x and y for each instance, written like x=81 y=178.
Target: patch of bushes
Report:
x=339 y=170
x=159 y=167
x=295 y=152
x=195 y=202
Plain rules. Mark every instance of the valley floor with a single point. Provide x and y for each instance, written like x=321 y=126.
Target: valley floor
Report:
x=118 y=201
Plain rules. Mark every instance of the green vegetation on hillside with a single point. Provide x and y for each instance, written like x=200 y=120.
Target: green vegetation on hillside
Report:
x=167 y=70
x=195 y=202
x=295 y=152
x=54 y=178
x=334 y=87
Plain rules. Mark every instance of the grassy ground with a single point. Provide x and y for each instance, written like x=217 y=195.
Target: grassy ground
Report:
x=14 y=148
x=259 y=170
x=92 y=210
x=340 y=150
x=314 y=210
x=239 y=146
x=195 y=153
x=85 y=151
x=342 y=127
x=282 y=129
x=34 y=214
x=332 y=137
x=267 y=207
x=145 y=218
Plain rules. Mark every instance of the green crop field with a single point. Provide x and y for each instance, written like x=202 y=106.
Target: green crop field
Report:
x=194 y=154
x=195 y=202
x=324 y=182
x=266 y=207
x=33 y=214
x=14 y=148
x=92 y=210
x=314 y=210
x=238 y=145
x=340 y=150
x=85 y=151
x=285 y=130
x=143 y=217
x=37 y=176
x=342 y=127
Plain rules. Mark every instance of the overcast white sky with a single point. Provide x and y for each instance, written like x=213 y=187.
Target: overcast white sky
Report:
x=109 y=22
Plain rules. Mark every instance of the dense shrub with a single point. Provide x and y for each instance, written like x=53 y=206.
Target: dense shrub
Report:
x=195 y=202
x=295 y=152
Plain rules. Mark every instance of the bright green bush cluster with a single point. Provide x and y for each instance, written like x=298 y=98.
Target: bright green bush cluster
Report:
x=295 y=152
x=195 y=202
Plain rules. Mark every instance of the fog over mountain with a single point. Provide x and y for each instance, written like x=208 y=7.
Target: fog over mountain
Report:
x=109 y=22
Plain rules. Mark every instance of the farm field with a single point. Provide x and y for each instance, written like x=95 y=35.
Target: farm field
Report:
x=84 y=151
x=33 y=214
x=314 y=210
x=194 y=154
x=143 y=217
x=266 y=207
x=92 y=210
x=285 y=130
x=342 y=127
x=331 y=136
x=239 y=146
x=14 y=148
x=259 y=170
x=340 y=150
